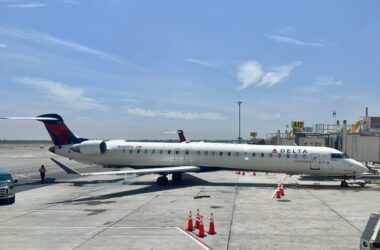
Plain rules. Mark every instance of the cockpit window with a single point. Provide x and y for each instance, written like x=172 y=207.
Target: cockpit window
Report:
x=339 y=156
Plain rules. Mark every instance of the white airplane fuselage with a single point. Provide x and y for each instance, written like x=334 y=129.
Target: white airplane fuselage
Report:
x=214 y=156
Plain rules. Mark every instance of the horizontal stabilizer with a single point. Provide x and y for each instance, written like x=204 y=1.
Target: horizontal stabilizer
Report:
x=30 y=118
x=67 y=169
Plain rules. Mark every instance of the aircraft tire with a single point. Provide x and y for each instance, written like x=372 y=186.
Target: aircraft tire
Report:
x=344 y=183
x=162 y=180
x=176 y=177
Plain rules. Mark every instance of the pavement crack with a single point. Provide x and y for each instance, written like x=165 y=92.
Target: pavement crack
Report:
x=336 y=212
x=232 y=215
x=113 y=223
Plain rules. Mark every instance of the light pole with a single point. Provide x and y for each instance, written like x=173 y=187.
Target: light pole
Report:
x=239 y=138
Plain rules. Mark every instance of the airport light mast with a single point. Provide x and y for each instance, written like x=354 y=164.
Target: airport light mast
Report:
x=239 y=138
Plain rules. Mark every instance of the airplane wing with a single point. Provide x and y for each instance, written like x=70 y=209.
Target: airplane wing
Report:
x=178 y=169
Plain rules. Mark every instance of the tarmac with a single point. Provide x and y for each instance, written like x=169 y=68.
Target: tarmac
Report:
x=134 y=213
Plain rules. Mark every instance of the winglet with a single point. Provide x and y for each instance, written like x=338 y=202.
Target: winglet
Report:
x=66 y=168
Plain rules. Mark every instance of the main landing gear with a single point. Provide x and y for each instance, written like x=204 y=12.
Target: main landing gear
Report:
x=163 y=180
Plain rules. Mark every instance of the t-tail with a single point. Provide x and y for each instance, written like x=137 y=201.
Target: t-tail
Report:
x=60 y=134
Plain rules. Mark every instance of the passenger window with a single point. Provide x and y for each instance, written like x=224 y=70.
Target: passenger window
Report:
x=304 y=156
x=287 y=155
x=176 y=152
x=212 y=153
x=295 y=156
x=229 y=153
x=206 y=152
x=187 y=152
x=153 y=151
x=220 y=153
x=161 y=151
x=253 y=154
x=245 y=153
x=130 y=151
x=138 y=151
x=270 y=155
x=145 y=151
x=262 y=154
x=237 y=153
x=169 y=151
x=279 y=155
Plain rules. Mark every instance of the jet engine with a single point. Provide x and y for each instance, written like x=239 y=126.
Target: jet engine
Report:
x=91 y=147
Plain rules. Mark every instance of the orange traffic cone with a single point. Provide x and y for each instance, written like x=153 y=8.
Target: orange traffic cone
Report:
x=190 y=222
x=211 y=229
x=254 y=173
x=282 y=191
x=201 y=232
x=197 y=219
x=243 y=173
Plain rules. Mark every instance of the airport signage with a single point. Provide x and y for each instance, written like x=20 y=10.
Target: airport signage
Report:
x=298 y=124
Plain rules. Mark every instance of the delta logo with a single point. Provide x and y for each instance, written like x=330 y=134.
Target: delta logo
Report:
x=290 y=151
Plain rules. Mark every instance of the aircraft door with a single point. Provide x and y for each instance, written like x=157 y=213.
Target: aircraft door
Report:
x=315 y=162
x=177 y=154
x=186 y=156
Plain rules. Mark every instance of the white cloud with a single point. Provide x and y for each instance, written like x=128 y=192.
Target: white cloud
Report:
x=174 y=114
x=71 y=2
x=62 y=93
x=47 y=39
x=26 y=5
x=323 y=82
x=289 y=40
x=273 y=77
x=326 y=81
x=202 y=62
x=249 y=73
x=3 y=45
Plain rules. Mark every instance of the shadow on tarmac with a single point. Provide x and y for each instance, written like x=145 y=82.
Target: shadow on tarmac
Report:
x=187 y=181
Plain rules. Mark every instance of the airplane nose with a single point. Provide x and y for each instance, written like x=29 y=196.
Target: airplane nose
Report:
x=52 y=149
x=360 y=168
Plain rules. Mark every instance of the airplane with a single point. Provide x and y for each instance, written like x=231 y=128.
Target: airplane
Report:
x=177 y=158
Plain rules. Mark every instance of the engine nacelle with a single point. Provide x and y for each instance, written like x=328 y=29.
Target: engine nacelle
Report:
x=92 y=147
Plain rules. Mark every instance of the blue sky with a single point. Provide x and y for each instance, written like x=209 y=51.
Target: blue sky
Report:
x=133 y=69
